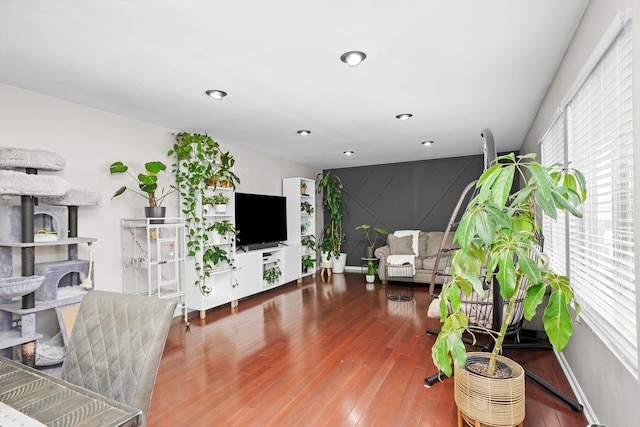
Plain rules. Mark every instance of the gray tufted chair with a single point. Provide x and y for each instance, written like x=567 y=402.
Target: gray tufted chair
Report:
x=116 y=345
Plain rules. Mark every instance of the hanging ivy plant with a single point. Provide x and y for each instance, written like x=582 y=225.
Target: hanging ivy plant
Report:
x=195 y=157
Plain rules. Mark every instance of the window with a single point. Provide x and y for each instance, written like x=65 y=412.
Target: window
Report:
x=599 y=142
x=552 y=150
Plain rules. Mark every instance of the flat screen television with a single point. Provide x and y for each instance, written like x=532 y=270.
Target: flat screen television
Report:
x=261 y=220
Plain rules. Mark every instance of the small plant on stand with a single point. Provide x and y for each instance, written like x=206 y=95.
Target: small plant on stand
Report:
x=223 y=229
x=147 y=182
x=308 y=242
x=303 y=188
x=371 y=234
x=218 y=200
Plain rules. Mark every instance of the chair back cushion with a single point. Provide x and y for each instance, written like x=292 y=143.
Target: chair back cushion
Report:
x=116 y=345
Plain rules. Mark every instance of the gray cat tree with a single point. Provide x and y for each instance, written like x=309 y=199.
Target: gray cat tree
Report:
x=47 y=216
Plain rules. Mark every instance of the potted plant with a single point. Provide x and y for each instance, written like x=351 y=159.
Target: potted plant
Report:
x=308 y=242
x=215 y=256
x=371 y=234
x=195 y=160
x=303 y=188
x=331 y=188
x=147 y=184
x=372 y=269
x=218 y=200
x=307 y=263
x=223 y=229
x=306 y=208
x=223 y=174
x=497 y=239
x=271 y=275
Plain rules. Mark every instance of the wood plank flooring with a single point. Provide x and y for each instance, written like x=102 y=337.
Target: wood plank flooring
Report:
x=323 y=354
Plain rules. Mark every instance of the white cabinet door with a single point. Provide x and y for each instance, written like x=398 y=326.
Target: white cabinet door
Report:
x=248 y=280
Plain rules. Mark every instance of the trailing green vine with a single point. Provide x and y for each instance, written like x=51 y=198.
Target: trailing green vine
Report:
x=196 y=161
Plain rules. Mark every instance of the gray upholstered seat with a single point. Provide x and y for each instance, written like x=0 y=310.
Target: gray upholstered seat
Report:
x=116 y=345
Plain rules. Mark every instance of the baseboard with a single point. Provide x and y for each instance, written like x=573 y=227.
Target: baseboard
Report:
x=577 y=390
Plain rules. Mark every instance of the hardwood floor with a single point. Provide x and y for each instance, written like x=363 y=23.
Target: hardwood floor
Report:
x=323 y=354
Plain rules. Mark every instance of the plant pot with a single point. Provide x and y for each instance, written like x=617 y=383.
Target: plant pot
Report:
x=339 y=263
x=370 y=278
x=324 y=256
x=490 y=401
x=155 y=212
x=220 y=209
x=216 y=238
x=369 y=252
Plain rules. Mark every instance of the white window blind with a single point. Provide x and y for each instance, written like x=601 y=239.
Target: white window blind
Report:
x=553 y=230
x=601 y=255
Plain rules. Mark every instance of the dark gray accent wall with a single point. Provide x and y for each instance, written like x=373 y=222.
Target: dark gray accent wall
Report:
x=414 y=195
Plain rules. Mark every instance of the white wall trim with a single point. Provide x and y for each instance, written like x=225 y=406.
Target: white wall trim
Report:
x=577 y=390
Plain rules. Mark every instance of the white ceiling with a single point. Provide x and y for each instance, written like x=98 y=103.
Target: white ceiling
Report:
x=457 y=66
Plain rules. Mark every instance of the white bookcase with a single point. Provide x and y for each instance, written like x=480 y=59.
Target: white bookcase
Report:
x=301 y=219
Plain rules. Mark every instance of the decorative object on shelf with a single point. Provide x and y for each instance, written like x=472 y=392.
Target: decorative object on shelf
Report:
x=223 y=175
x=497 y=236
x=218 y=200
x=371 y=234
x=217 y=256
x=331 y=188
x=306 y=208
x=303 y=188
x=271 y=274
x=198 y=158
x=223 y=230
x=148 y=185
x=307 y=263
x=308 y=242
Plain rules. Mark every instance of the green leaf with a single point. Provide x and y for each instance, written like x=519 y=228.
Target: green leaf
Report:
x=484 y=226
x=506 y=275
x=546 y=205
x=529 y=267
x=565 y=204
x=542 y=179
x=464 y=233
x=535 y=296
x=118 y=167
x=154 y=167
x=119 y=192
x=502 y=186
x=557 y=321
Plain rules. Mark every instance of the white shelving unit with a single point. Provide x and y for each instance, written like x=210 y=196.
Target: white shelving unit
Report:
x=221 y=279
x=301 y=218
x=153 y=259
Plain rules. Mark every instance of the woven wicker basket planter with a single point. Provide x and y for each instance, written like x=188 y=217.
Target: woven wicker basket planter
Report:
x=494 y=402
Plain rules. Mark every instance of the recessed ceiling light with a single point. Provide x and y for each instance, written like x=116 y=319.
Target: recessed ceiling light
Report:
x=427 y=143
x=404 y=116
x=216 y=94
x=353 y=58
x=348 y=153
x=304 y=132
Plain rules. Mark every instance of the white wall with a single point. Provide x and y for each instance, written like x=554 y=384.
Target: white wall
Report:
x=90 y=140
x=610 y=389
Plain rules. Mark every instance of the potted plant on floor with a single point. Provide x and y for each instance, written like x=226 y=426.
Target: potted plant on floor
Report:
x=331 y=188
x=371 y=234
x=372 y=269
x=497 y=238
x=147 y=184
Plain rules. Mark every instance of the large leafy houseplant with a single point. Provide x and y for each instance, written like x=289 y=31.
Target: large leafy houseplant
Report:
x=147 y=182
x=497 y=239
x=197 y=158
x=331 y=188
